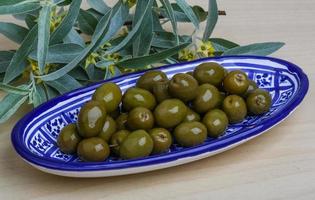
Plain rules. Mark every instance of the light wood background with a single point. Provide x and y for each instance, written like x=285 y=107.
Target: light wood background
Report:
x=278 y=165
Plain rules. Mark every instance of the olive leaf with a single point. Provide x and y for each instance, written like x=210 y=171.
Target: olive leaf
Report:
x=87 y=22
x=171 y=16
x=222 y=45
x=14 y=90
x=261 y=49
x=39 y=95
x=189 y=12
x=211 y=19
x=14 y=32
x=64 y=84
x=99 y=5
x=17 y=6
x=74 y=37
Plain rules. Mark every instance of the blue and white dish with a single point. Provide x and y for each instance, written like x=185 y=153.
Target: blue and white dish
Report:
x=34 y=136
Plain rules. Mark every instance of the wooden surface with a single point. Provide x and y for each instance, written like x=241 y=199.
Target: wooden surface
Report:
x=277 y=165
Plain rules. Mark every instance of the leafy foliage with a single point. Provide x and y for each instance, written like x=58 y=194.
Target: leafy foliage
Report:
x=63 y=47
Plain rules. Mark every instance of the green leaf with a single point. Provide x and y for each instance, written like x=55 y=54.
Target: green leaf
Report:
x=200 y=13
x=163 y=39
x=261 y=49
x=140 y=62
x=211 y=19
x=104 y=64
x=64 y=84
x=99 y=6
x=171 y=16
x=4 y=65
x=99 y=32
x=6 y=55
x=222 y=45
x=189 y=12
x=134 y=32
x=17 y=64
x=156 y=22
x=60 y=53
x=14 y=90
x=79 y=74
x=87 y=22
x=17 y=6
x=75 y=38
x=39 y=95
x=30 y=21
x=14 y=32
x=67 y=23
x=10 y=104
x=43 y=36
x=51 y=92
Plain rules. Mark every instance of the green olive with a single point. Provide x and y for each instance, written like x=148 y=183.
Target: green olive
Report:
x=236 y=82
x=212 y=73
x=115 y=113
x=68 y=139
x=135 y=97
x=108 y=129
x=208 y=97
x=93 y=149
x=110 y=95
x=91 y=119
x=149 y=78
x=235 y=108
x=121 y=121
x=216 y=122
x=183 y=87
x=190 y=134
x=117 y=139
x=191 y=116
x=170 y=113
x=140 y=118
x=160 y=91
x=162 y=140
x=258 y=102
x=251 y=87
x=191 y=73
x=138 y=144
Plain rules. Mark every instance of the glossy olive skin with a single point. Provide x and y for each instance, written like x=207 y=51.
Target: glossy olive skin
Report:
x=183 y=87
x=162 y=140
x=258 y=102
x=140 y=118
x=135 y=97
x=93 y=149
x=189 y=134
x=110 y=94
x=212 y=73
x=117 y=139
x=235 y=108
x=251 y=87
x=236 y=82
x=121 y=121
x=160 y=91
x=114 y=114
x=108 y=129
x=191 y=116
x=216 y=122
x=91 y=119
x=208 y=97
x=170 y=113
x=191 y=73
x=138 y=144
x=68 y=139
x=149 y=78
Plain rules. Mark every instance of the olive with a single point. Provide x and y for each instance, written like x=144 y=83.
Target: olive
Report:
x=91 y=119
x=251 y=87
x=149 y=78
x=93 y=149
x=135 y=97
x=108 y=129
x=189 y=134
x=109 y=94
x=117 y=139
x=191 y=73
x=138 y=144
x=68 y=139
x=212 y=73
x=160 y=91
x=208 y=97
x=162 y=140
x=216 y=122
x=258 y=102
x=115 y=113
x=236 y=82
x=183 y=87
x=140 y=118
x=121 y=121
x=235 y=108
x=170 y=113
x=191 y=116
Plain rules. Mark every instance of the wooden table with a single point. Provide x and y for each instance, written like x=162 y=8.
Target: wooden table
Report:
x=278 y=165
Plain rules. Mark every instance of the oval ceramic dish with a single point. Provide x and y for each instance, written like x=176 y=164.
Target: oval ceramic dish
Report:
x=34 y=136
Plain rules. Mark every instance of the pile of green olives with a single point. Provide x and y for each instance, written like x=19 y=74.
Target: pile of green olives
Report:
x=159 y=112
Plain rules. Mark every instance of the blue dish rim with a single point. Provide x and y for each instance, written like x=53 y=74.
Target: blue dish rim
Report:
x=16 y=137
